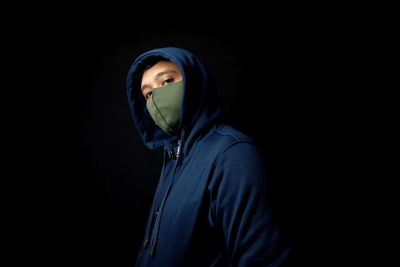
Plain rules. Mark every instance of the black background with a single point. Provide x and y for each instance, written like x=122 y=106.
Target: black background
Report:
x=281 y=79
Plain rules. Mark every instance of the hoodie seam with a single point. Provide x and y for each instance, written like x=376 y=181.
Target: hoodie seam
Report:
x=228 y=134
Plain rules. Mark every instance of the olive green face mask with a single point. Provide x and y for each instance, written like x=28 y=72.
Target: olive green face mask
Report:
x=164 y=106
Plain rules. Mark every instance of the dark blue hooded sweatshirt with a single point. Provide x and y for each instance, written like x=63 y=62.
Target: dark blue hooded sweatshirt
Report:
x=211 y=205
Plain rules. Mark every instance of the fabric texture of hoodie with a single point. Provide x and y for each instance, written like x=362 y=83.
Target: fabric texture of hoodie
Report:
x=211 y=205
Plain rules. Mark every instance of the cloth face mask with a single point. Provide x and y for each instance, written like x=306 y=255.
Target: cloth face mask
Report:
x=164 y=106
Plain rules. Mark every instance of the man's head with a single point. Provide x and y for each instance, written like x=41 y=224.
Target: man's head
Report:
x=186 y=92
x=159 y=73
x=162 y=87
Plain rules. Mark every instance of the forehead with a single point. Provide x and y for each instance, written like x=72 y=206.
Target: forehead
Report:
x=161 y=66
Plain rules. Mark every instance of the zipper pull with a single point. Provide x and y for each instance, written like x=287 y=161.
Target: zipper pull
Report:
x=152 y=252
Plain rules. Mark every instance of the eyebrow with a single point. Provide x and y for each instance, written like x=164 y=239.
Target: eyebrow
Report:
x=158 y=75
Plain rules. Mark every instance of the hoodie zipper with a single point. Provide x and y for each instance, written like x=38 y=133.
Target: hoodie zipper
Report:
x=156 y=227
x=154 y=209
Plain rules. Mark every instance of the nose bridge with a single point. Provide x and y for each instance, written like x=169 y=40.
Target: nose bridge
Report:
x=149 y=80
x=154 y=86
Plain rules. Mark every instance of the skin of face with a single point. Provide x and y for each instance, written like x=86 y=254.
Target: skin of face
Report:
x=161 y=74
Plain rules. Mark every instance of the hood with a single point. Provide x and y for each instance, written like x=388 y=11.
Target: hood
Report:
x=201 y=105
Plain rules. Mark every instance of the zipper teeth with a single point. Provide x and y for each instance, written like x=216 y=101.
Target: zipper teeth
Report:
x=154 y=235
x=150 y=228
x=156 y=225
x=178 y=149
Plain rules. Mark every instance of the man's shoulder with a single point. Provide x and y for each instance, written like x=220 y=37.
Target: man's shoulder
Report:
x=223 y=137
x=229 y=132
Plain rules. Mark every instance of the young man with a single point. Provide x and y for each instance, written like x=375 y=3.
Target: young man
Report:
x=211 y=205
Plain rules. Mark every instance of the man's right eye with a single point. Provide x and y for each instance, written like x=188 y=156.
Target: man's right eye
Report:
x=149 y=93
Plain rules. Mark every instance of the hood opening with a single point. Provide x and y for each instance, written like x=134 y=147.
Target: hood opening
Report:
x=200 y=107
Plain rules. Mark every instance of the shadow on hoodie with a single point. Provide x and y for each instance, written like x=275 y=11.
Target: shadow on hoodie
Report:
x=211 y=205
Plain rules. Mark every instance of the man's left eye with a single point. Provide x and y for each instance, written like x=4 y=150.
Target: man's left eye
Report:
x=167 y=81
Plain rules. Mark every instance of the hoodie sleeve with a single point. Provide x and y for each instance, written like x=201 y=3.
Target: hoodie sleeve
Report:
x=240 y=207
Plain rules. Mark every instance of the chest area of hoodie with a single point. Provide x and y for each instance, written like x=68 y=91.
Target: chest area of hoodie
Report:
x=189 y=201
x=188 y=193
